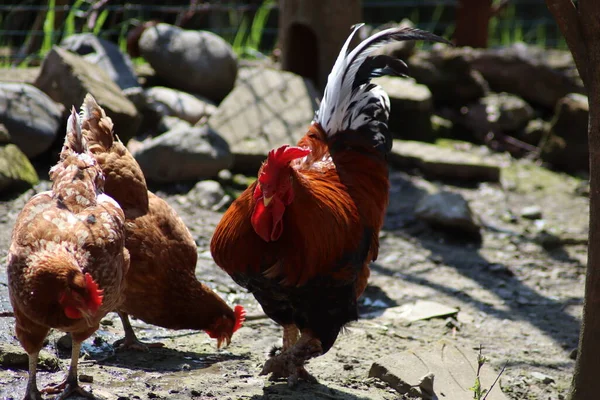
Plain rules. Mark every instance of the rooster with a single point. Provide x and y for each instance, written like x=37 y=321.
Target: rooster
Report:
x=162 y=288
x=67 y=261
x=301 y=237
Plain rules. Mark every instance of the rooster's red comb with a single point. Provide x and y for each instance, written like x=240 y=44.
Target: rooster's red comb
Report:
x=284 y=154
x=240 y=317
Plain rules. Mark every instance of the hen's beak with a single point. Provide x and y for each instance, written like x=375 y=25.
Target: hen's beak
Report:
x=267 y=200
x=224 y=339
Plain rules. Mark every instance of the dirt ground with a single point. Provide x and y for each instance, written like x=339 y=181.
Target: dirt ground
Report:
x=519 y=292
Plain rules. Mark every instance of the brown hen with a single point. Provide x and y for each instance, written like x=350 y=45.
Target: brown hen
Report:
x=67 y=262
x=162 y=288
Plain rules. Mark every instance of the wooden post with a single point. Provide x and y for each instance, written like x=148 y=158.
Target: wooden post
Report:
x=472 y=20
x=311 y=33
x=580 y=26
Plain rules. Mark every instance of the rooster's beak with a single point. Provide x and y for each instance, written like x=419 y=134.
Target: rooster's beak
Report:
x=267 y=200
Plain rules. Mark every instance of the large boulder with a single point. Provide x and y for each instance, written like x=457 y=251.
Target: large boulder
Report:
x=566 y=144
x=183 y=154
x=267 y=108
x=447 y=72
x=494 y=113
x=411 y=108
x=107 y=56
x=194 y=61
x=16 y=172
x=448 y=210
x=170 y=102
x=31 y=118
x=540 y=76
x=444 y=161
x=67 y=77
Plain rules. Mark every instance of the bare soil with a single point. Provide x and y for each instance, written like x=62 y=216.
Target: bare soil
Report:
x=519 y=292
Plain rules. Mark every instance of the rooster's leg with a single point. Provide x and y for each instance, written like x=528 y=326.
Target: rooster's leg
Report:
x=32 y=392
x=290 y=363
x=131 y=341
x=71 y=385
x=290 y=336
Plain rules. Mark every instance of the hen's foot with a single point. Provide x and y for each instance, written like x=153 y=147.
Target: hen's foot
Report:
x=67 y=389
x=135 y=344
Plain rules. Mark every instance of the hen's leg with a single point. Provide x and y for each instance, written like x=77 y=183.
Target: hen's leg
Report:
x=71 y=384
x=290 y=363
x=32 y=392
x=131 y=341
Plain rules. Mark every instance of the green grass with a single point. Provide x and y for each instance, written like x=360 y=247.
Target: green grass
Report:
x=248 y=37
x=479 y=393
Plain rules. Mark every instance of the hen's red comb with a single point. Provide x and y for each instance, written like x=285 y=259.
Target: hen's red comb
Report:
x=240 y=317
x=95 y=293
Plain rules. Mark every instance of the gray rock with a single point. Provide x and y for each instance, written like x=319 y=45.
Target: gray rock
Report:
x=67 y=77
x=209 y=195
x=14 y=357
x=447 y=72
x=167 y=123
x=411 y=107
x=539 y=76
x=531 y=212
x=443 y=162
x=535 y=130
x=171 y=102
x=566 y=145
x=496 y=112
x=184 y=154
x=447 y=210
x=419 y=310
x=16 y=172
x=4 y=135
x=107 y=56
x=19 y=75
x=441 y=370
x=31 y=117
x=267 y=108
x=546 y=379
x=194 y=61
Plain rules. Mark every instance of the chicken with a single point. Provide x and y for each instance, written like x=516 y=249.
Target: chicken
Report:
x=301 y=237
x=67 y=261
x=162 y=288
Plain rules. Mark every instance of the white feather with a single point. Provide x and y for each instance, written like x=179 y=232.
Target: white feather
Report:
x=333 y=114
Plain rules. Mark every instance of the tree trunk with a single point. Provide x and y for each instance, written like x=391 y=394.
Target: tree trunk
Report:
x=472 y=19
x=581 y=27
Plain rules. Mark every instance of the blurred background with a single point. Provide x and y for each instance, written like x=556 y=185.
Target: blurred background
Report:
x=29 y=28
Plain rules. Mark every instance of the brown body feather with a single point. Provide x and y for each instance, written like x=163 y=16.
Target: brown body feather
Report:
x=162 y=288
x=67 y=243
x=338 y=199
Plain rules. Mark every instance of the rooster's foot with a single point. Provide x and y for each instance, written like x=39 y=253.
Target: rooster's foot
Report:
x=135 y=344
x=33 y=395
x=66 y=389
x=284 y=366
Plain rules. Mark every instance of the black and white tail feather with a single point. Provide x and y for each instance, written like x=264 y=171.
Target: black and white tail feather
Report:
x=351 y=101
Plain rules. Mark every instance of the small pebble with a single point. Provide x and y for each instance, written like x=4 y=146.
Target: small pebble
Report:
x=86 y=378
x=531 y=212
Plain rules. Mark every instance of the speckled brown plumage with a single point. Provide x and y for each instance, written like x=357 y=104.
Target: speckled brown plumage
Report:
x=162 y=288
x=60 y=236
